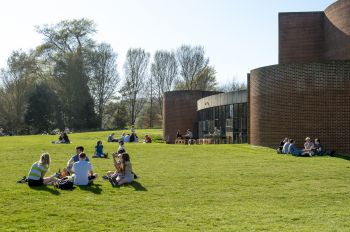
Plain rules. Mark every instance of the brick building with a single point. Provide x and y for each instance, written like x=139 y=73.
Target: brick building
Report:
x=308 y=92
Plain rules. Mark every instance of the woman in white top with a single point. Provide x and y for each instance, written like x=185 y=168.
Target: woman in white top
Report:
x=126 y=174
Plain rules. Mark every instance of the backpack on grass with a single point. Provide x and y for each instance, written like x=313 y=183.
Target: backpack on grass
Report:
x=64 y=184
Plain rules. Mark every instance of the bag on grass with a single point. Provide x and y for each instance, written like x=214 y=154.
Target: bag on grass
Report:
x=64 y=184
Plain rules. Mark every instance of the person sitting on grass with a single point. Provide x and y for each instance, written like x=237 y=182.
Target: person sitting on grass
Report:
x=308 y=147
x=75 y=158
x=111 y=138
x=127 y=176
x=99 y=151
x=318 y=148
x=82 y=171
x=126 y=138
x=121 y=147
x=38 y=171
x=62 y=139
x=112 y=175
x=285 y=149
x=280 y=148
x=293 y=149
x=147 y=139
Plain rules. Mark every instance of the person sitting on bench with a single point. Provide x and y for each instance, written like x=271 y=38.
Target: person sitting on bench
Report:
x=189 y=134
x=178 y=135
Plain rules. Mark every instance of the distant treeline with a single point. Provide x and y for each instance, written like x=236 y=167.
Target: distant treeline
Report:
x=72 y=81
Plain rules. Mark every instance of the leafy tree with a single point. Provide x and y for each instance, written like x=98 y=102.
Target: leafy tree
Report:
x=43 y=113
x=66 y=48
x=17 y=81
x=115 y=116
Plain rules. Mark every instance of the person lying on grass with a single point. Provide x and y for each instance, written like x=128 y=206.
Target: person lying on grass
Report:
x=123 y=173
x=75 y=158
x=99 y=151
x=38 y=171
x=82 y=171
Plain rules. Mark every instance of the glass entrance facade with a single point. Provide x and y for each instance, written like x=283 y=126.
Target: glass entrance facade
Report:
x=225 y=121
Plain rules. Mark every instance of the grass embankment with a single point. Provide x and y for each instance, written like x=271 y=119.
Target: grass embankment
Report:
x=182 y=188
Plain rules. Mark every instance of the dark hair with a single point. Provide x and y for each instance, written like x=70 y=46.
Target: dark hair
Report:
x=80 y=148
x=125 y=157
x=99 y=141
x=121 y=142
x=291 y=140
x=82 y=155
x=318 y=140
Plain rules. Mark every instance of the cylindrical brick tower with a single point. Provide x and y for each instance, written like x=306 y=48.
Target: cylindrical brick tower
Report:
x=299 y=100
x=337 y=31
x=180 y=112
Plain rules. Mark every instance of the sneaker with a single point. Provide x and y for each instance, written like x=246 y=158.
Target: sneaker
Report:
x=23 y=180
x=105 y=177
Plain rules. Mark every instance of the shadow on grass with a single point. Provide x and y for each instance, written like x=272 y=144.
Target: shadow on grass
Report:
x=94 y=188
x=135 y=184
x=340 y=156
x=46 y=189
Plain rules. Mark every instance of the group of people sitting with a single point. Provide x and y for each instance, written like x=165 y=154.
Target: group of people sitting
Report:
x=287 y=146
x=63 y=138
x=188 y=135
x=79 y=170
x=129 y=138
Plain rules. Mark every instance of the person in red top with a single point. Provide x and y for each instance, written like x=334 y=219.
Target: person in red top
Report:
x=147 y=139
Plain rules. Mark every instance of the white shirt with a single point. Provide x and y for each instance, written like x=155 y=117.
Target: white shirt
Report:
x=81 y=170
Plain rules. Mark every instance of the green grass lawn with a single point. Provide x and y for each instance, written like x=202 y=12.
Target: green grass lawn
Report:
x=182 y=188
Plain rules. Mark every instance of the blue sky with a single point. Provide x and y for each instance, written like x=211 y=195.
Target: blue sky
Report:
x=237 y=35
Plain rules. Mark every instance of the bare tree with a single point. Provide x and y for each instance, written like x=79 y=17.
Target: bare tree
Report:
x=192 y=61
x=232 y=85
x=204 y=80
x=104 y=77
x=164 y=70
x=134 y=88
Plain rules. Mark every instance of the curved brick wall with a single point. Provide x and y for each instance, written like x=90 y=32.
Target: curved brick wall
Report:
x=299 y=100
x=337 y=31
x=301 y=37
x=180 y=111
x=315 y=36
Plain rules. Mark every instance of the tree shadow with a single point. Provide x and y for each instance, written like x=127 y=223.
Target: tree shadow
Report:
x=46 y=189
x=94 y=188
